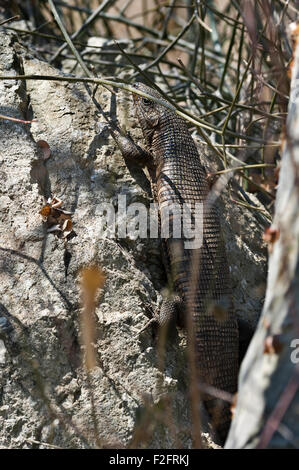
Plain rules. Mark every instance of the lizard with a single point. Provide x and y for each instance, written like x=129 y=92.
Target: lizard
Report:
x=199 y=276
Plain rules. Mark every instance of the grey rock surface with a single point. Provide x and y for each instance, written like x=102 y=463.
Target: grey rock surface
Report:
x=46 y=397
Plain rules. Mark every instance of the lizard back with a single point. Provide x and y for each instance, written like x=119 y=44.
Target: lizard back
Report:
x=180 y=180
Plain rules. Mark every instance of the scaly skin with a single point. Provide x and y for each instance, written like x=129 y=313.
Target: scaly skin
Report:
x=199 y=277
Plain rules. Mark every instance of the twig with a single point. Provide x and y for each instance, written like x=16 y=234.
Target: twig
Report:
x=87 y=23
x=16 y=17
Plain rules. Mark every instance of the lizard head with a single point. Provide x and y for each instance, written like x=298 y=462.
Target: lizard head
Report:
x=149 y=113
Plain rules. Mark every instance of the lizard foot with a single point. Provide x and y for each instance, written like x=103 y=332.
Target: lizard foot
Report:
x=154 y=320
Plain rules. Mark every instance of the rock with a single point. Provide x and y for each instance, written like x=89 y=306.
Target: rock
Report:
x=2 y=352
x=43 y=380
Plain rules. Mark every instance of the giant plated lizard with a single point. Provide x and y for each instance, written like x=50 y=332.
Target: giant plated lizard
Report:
x=204 y=296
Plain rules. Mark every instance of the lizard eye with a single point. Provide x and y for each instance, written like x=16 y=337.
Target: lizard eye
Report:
x=146 y=102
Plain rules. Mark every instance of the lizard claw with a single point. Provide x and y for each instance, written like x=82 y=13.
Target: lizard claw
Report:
x=155 y=317
x=152 y=320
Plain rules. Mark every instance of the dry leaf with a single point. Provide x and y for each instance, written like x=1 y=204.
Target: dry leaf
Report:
x=270 y=236
x=45 y=148
x=273 y=345
x=294 y=35
x=233 y=405
x=57 y=219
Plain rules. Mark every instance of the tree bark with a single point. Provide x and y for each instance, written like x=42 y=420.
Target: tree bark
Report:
x=267 y=410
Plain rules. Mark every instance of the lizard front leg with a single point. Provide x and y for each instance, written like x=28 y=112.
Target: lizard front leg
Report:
x=131 y=151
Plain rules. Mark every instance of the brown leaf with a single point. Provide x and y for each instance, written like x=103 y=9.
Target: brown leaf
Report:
x=67 y=225
x=234 y=404
x=270 y=236
x=45 y=148
x=273 y=345
x=45 y=211
x=58 y=220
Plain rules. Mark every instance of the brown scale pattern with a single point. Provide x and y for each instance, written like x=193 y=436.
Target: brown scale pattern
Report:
x=180 y=178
